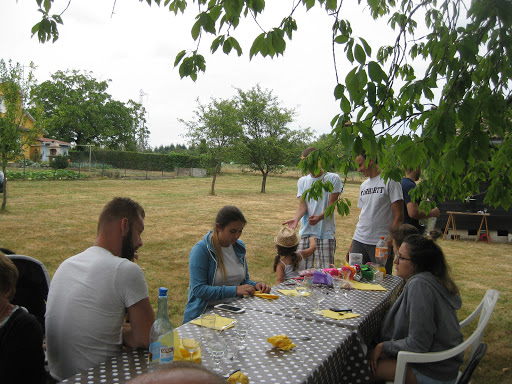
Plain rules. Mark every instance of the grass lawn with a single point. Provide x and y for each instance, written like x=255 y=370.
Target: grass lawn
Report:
x=53 y=220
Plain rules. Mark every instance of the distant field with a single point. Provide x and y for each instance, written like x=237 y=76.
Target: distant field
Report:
x=53 y=220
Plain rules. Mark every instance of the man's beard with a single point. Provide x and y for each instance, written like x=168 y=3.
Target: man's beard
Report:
x=127 y=248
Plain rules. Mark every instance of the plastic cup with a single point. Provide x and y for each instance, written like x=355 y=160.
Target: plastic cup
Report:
x=355 y=258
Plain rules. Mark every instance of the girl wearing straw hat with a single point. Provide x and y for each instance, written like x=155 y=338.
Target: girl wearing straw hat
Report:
x=288 y=261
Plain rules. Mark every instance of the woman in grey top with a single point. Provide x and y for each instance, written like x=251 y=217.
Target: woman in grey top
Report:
x=424 y=318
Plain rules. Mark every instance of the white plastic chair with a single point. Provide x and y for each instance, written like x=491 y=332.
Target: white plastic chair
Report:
x=485 y=309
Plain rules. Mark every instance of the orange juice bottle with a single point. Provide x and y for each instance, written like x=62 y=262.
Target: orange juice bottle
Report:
x=381 y=255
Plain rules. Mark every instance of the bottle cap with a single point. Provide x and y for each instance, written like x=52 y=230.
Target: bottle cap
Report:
x=162 y=291
x=382 y=237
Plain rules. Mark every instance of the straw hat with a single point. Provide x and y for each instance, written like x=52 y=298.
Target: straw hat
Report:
x=286 y=238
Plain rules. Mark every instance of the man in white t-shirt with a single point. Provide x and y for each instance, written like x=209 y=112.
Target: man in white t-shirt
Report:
x=382 y=208
x=312 y=219
x=91 y=294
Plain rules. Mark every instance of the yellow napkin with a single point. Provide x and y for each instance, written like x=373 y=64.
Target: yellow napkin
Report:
x=220 y=324
x=281 y=341
x=265 y=295
x=291 y=292
x=368 y=287
x=181 y=353
x=238 y=377
x=338 y=315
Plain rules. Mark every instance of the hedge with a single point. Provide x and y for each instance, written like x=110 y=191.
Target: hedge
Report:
x=137 y=160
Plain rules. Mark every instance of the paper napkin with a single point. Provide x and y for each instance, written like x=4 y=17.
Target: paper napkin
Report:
x=339 y=315
x=221 y=323
x=265 y=295
x=291 y=292
x=368 y=287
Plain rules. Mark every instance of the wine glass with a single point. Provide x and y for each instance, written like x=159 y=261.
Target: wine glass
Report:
x=303 y=289
x=217 y=349
x=318 y=296
x=337 y=283
x=241 y=329
x=189 y=342
x=208 y=321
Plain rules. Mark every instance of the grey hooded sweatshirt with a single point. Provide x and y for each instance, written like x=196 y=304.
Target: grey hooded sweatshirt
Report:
x=424 y=319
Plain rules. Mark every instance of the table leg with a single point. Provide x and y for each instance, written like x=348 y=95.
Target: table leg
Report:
x=447 y=225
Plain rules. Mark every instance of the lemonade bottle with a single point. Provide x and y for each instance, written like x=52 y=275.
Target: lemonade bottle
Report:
x=381 y=255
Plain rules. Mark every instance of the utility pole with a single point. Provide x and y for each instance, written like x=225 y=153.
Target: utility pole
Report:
x=90 y=146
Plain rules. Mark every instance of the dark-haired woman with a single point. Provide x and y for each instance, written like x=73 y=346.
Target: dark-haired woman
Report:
x=218 y=266
x=423 y=319
x=21 y=335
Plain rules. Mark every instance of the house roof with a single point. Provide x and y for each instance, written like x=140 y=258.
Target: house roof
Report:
x=45 y=141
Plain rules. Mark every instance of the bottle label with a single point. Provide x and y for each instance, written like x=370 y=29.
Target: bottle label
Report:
x=381 y=253
x=166 y=354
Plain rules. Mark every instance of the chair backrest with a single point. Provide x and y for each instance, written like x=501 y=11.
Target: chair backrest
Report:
x=485 y=309
x=472 y=364
x=32 y=286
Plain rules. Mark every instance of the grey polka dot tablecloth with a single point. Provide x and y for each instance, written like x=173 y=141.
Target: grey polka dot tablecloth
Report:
x=331 y=354
x=119 y=369
x=370 y=305
x=328 y=351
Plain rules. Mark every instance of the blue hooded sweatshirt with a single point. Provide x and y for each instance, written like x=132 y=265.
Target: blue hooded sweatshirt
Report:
x=202 y=270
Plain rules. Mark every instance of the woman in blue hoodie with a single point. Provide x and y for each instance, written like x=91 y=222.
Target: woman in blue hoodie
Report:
x=218 y=266
x=423 y=319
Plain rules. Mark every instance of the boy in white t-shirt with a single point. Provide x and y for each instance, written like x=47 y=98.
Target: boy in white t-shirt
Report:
x=382 y=208
x=310 y=213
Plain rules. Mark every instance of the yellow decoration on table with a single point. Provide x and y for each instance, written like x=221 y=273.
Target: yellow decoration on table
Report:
x=339 y=315
x=368 y=286
x=281 y=341
x=238 y=377
x=265 y=295
x=181 y=353
x=291 y=292
x=221 y=323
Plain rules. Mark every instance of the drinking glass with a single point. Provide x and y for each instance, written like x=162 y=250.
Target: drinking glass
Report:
x=208 y=321
x=303 y=289
x=189 y=342
x=318 y=296
x=241 y=329
x=337 y=283
x=217 y=349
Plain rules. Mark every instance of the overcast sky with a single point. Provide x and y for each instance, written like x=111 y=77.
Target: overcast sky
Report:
x=136 y=47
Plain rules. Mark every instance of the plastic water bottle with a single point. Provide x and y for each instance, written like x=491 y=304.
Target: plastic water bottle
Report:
x=161 y=336
x=381 y=255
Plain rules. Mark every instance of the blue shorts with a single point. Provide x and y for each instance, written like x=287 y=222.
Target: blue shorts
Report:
x=422 y=379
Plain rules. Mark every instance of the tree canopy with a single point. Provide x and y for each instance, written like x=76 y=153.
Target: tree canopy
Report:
x=74 y=107
x=14 y=87
x=267 y=142
x=216 y=131
x=452 y=118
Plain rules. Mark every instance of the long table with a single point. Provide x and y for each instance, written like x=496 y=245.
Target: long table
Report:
x=334 y=352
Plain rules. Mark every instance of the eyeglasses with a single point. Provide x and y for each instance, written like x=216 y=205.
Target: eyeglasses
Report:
x=399 y=256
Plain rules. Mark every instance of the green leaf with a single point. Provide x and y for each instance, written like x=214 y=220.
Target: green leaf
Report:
x=376 y=72
x=345 y=104
x=366 y=46
x=179 y=56
x=459 y=165
x=341 y=39
x=338 y=91
x=359 y=54
x=257 y=45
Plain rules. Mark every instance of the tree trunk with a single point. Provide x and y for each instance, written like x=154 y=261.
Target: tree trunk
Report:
x=212 y=191
x=264 y=181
